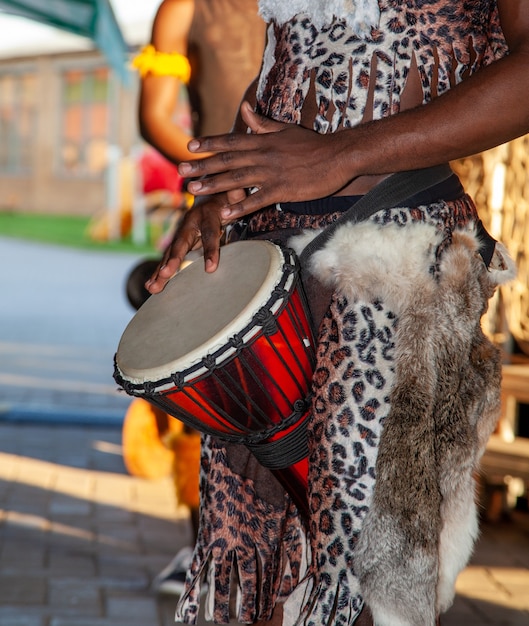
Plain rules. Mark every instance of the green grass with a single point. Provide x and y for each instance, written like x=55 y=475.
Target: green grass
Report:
x=64 y=230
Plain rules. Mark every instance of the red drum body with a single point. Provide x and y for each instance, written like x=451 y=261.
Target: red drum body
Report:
x=230 y=354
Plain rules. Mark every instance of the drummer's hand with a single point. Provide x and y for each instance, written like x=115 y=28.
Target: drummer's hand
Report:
x=279 y=162
x=201 y=226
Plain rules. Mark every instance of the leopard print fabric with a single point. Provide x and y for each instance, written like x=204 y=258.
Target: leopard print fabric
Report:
x=334 y=70
x=248 y=540
x=254 y=550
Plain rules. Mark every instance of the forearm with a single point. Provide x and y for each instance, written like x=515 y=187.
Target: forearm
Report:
x=168 y=139
x=288 y=163
x=485 y=110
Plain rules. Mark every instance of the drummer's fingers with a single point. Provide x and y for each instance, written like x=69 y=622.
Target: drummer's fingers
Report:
x=235 y=196
x=211 y=245
x=166 y=270
x=229 y=180
x=258 y=199
x=172 y=259
x=239 y=141
x=214 y=144
x=238 y=202
x=211 y=230
x=259 y=123
x=237 y=157
x=169 y=266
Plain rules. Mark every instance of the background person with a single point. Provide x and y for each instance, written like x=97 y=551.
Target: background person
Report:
x=406 y=386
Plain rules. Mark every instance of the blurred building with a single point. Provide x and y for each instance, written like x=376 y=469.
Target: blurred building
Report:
x=65 y=117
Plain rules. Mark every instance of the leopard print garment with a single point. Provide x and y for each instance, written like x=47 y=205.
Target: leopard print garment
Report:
x=253 y=548
x=321 y=77
x=251 y=545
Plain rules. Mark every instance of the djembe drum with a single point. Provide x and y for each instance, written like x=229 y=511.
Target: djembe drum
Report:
x=231 y=354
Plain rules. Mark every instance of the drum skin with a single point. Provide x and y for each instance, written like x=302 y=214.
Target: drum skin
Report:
x=231 y=354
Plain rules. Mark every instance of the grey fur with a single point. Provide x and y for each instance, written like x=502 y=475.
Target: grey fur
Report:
x=422 y=523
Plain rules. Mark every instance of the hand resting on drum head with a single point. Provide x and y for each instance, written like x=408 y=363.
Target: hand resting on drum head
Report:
x=202 y=227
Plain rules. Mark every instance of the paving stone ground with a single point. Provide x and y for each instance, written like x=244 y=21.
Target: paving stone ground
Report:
x=81 y=540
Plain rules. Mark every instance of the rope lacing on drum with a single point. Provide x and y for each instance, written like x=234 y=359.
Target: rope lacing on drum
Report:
x=178 y=380
x=149 y=386
x=301 y=405
x=267 y=321
x=210 y=362
x=236 y=342
x=291 y=448
x=128 y=387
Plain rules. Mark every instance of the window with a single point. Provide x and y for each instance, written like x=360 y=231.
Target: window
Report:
x=85 y=121
x=17 y=122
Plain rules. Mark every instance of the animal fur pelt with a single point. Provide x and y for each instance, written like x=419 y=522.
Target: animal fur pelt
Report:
x=422 y=523
x=360 y=15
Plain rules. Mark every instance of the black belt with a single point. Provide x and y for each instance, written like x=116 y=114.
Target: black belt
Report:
x=449 y=189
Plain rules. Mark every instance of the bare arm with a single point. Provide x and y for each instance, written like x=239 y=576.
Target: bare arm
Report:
x=487 y=109
x=290 y=163
x=202 y=225
x=159 y=95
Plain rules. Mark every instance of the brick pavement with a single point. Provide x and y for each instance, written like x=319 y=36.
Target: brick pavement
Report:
x=80 y=540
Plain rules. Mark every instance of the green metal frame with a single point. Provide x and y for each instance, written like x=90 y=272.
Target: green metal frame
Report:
x=94 y=19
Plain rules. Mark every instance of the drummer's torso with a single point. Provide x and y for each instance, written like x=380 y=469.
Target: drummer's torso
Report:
x=318 y=73
x=226 y=43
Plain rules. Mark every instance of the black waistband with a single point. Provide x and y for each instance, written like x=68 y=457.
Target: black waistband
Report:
x=449 y=189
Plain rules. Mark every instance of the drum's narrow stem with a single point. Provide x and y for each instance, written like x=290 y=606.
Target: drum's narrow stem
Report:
x=294 y=479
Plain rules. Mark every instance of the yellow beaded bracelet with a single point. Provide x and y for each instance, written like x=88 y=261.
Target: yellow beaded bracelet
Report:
x=162 y=64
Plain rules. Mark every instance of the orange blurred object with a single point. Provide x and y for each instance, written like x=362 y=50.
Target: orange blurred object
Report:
x=186 y=466
x=144 y=452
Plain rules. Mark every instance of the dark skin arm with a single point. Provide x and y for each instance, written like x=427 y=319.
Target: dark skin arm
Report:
x=287 y=162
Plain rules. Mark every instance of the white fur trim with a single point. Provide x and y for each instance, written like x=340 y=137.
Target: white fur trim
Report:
x=360 y=15
x=301 y=241
x=460 y=531
x=361 y=260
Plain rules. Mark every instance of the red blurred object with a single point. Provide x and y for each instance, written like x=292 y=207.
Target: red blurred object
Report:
x=158 y=173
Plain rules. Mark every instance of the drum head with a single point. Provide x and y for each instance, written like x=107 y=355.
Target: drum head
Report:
x=198 y=312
